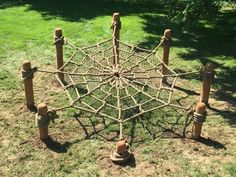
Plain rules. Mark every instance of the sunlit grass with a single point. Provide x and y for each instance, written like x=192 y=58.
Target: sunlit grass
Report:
x=27 y=34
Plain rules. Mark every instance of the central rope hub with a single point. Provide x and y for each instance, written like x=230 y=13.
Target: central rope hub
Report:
x=117 y=74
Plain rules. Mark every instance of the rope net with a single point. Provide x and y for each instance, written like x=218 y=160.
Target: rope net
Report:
x=121 y=85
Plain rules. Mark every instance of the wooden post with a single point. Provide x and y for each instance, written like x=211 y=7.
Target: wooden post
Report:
x=27 y=75
x=208 y=74
x=199 y=118
x=42 y=121
x=59 y=51
x=116 y=26
x=121 y=153
x=166 y=51
x=121 y=147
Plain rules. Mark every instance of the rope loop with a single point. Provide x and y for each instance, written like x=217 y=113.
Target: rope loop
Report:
x=206 y=74
x=59 y=40
x=44 y=121
x=117 y=24
x=29 y=74
x=199 y=118
x=165 y=40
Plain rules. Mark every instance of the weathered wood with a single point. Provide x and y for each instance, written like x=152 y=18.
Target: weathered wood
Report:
x=197 y=126
x=27 y=75
x=166 y=51
x=43 y=113
x=116 y=26
x=59 y=51
x=121 y=147
x=208 y=75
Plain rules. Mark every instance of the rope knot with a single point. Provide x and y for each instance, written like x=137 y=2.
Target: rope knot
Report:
x=204 y=73
x=199 y=118
x=116 y=24
x=166 y=40
x=29 y=74
x=44 y=121
x=58 y=40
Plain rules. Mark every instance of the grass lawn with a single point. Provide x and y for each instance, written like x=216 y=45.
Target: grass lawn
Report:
x=26 y=32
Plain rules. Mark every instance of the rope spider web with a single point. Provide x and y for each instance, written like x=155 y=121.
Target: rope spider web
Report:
x=121 y=91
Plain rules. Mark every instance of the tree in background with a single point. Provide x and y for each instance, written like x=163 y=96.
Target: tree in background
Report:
x=188 y=12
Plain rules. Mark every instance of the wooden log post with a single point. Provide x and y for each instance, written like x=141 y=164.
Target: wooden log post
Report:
x=199 y=117
x=207 y=77
x=42 y=121
x=59 y=41
x=121 y=153
x=166 y=51
x=116 y=26
x=27 y=75
x=121 y=147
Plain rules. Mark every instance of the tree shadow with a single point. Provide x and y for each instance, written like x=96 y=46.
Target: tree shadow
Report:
x=207 y=42
x=228 y=115
x=78 y=10
x=185 y=90
x=207 y=39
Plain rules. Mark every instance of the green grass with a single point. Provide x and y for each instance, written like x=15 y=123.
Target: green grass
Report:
x=26 y=32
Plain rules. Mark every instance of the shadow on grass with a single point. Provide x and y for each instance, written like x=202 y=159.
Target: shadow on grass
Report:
x=146 y=127
x=131 y=162
x=77 y=10
x=185 y=90
x=228 y=115
x=207 y=39
x=145 y=124
x=207 y=42
x=92 y=129
x=174 y=130
x=211 y=143
x=57 y=147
